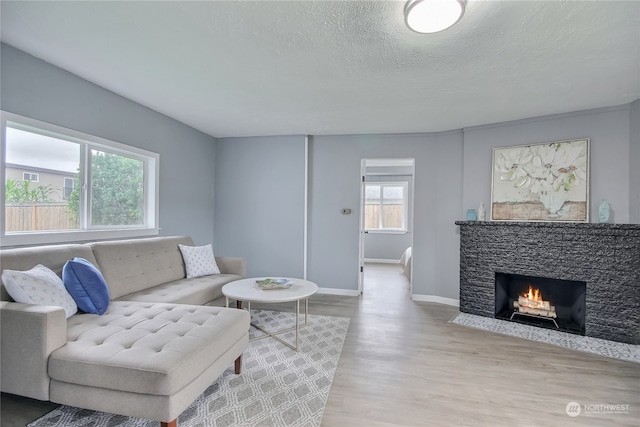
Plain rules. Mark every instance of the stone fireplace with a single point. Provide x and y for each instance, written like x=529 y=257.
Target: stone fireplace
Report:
x=588 y=273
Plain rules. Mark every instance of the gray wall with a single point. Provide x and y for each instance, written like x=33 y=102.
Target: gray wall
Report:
x=259 y=206
x=335 y=184
x=36 y=89
x=608 y=129
x=250 y=170
x=634 y=164
x=386 y=246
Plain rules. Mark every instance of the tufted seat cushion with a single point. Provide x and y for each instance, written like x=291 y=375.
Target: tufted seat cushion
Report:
x=143 y=347
x=185 y=291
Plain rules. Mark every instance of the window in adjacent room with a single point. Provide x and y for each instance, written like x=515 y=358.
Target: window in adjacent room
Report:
x=84 y=187
x=386 y=206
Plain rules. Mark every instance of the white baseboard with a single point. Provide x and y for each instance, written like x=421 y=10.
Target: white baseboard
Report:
x=382 y=261
x=435 y=298
x=335 y=291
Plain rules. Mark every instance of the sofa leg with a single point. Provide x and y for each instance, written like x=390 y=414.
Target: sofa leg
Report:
x=173 y=423
x=238 y=365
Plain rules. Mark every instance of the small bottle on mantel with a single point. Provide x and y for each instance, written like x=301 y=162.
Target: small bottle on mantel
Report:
x=604 y=213
x=481 y=212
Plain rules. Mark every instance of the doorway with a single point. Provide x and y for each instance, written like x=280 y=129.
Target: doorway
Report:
x=386 y=217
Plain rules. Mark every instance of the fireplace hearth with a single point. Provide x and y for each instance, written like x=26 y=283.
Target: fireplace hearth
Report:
x=540 y=301
x=605 y=258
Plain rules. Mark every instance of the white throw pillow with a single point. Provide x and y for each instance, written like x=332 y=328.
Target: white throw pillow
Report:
x=199 y=260
x=40 y=285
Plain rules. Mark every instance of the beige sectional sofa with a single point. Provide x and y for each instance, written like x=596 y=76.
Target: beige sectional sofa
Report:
x=158 y=346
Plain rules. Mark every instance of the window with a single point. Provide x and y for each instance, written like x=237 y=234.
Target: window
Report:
x=386 y=206
x=67 y=188
x=27 y=176
x=116 y=194
x=108 y=190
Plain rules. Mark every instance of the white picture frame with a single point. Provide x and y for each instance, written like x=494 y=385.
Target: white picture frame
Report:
x=541 y=182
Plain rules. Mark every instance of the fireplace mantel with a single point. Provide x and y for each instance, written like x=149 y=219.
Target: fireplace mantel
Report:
x=605 y=256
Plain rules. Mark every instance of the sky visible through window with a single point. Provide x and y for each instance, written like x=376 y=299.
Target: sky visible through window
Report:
x=391 y=194
x=31 y=149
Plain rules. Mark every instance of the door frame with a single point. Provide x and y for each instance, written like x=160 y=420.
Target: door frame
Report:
x=391 y=161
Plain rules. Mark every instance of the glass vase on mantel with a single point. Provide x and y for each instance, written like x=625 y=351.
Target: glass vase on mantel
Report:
x=481 y=212
x=604 y=212
x=472 y=215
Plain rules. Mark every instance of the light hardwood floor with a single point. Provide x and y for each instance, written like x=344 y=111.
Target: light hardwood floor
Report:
x=404 y=364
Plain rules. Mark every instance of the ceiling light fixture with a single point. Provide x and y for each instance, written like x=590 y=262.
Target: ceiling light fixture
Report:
x=431 y=16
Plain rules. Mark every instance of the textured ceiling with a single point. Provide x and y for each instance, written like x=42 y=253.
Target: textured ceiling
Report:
x=241 y=68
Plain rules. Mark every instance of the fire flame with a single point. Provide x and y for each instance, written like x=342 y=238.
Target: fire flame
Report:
x=533 y=294
x=533 y=299
x=531 y=302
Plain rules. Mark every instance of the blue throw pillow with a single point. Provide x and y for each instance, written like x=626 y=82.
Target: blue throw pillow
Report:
x=86 y=285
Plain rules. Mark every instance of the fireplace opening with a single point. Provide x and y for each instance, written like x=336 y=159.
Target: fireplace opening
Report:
x=540 y=301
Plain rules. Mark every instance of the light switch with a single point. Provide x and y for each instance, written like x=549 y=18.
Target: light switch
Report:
x=346 y=211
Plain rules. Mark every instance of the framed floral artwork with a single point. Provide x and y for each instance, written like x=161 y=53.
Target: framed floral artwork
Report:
x=541 y=182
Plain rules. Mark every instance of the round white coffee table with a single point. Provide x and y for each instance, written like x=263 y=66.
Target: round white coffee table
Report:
x=248 y=290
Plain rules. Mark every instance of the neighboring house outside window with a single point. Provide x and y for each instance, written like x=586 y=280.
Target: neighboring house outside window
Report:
x=50 y=179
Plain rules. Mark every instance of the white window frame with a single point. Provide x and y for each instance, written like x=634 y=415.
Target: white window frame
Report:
x=405 y=206
x=31 y=174
x=87 y=142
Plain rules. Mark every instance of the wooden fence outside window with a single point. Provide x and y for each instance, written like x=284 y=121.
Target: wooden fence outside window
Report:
x=28 y=217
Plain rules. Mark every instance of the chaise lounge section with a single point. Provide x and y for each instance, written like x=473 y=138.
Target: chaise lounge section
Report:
x=158 y=346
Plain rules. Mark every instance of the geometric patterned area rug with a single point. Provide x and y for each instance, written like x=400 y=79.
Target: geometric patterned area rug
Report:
x=277 y=386
x=616 y=350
